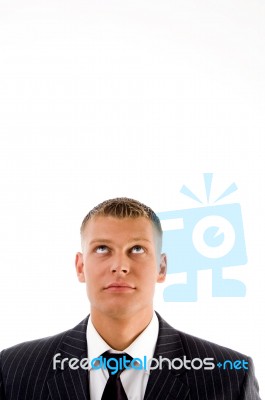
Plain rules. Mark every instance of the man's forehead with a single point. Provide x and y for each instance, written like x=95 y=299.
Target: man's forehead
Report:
x=101 y=228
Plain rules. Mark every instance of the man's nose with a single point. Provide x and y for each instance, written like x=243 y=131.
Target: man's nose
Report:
x=120 y=264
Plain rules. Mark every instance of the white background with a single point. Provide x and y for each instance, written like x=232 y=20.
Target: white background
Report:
x=101 y=99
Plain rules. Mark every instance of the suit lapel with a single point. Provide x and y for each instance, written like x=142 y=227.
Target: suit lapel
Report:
x=71 y=383
x=164 y=383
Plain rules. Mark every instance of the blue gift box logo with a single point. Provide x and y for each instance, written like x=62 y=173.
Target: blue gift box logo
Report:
x=210 y=237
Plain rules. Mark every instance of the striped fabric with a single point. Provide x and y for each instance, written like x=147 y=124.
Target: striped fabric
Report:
x=26 y=370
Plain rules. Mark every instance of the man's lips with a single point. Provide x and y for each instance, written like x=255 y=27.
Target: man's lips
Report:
x=119 y=286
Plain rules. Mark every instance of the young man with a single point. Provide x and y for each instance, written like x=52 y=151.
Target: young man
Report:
x=106 y=356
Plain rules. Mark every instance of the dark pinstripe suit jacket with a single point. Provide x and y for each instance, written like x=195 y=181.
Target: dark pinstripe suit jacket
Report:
x=26 y=371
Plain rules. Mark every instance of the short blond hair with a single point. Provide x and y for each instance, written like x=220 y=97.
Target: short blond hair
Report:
x=123 y=207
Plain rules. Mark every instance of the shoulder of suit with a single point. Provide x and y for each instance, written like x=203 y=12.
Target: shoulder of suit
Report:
x=195 y=346
x=211 y=348
x=42 y=345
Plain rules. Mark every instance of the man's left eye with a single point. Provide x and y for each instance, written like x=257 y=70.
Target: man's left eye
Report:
x=137 y=249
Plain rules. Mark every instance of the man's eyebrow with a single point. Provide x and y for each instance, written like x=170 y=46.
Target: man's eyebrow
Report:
x=138 y=239
x=102 y=240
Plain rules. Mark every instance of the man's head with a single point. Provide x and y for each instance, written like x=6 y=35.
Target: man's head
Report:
x=121 y=258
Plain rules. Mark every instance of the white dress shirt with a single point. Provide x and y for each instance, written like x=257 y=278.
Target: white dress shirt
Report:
x=133 y=381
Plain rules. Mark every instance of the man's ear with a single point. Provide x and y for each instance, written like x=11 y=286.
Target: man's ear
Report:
x=162 y=268
x=79 y=266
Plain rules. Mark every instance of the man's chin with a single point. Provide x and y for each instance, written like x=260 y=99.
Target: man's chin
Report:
x=119 y=310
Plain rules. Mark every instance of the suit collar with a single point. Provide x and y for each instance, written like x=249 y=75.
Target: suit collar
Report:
x=70 y=383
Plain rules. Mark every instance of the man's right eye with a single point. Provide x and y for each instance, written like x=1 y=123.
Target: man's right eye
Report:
x=101 y=249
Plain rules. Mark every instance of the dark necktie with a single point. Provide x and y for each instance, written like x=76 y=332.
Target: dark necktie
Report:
x=114 y=389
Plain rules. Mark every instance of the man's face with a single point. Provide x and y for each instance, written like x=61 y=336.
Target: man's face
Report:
x=120 y=264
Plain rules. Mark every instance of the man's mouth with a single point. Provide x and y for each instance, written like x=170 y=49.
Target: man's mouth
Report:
x=119 y=287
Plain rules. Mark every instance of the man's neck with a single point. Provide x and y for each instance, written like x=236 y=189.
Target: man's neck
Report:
x=119 y=333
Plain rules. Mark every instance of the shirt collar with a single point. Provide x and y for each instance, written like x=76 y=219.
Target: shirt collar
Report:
x=143 y=345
